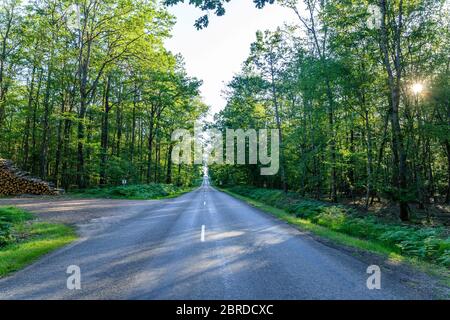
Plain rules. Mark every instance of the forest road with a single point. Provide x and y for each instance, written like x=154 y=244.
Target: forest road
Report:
x=202 y=245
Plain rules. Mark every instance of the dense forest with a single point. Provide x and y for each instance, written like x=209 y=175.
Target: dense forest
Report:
x=360 y=93
x=358 y=90
x=320 y=171
x=88 y=93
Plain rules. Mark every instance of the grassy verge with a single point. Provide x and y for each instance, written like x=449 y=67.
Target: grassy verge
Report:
x=388 y=250
x=23 y=241
x=134 y=192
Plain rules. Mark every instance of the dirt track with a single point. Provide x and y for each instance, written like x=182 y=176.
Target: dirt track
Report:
x=78 y=212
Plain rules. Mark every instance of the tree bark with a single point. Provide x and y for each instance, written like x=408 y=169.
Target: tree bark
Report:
x=26 y=144
x=169 y=164
x=278 y=122
x=104 y=133
x=447 y=148
x=394 y=81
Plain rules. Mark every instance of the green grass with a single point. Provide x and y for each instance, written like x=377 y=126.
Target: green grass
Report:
x=28 y=240
x=134 y=192
x=388 y=250
x=428 y=243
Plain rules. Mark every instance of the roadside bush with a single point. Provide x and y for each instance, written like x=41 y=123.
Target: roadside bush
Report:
x=5 y=233
x=427 y=243
x=141 y=191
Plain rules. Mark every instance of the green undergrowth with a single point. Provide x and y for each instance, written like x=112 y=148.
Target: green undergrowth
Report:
x=430 y=244
x=23 y=240
x=133 y=192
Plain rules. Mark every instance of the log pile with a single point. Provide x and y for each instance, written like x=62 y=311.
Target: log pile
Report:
x=15 y=182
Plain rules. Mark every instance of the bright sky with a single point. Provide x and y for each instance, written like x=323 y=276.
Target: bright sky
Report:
x=216 y=53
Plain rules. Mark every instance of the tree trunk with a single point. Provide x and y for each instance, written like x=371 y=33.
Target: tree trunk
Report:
x=399 y=175
x=3 y=56
x=278 y=121
x=59 y=143
x=369 y=158
x=65 y=176
x=447 y=148
x=45 y=123
x=34 y=156
x=332 y=139
x=150 y=150
x=169 y=164
x=133 y=126
x=119 y=130
x=104 y=133
x=157 y=159
x=26 y=145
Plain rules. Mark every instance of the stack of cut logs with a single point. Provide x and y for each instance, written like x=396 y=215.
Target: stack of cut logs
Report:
x=14 y=182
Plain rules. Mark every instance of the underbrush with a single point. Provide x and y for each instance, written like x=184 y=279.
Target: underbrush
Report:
x=11 y=219
x=135 y=192
x=426 y=243
x=23 y=240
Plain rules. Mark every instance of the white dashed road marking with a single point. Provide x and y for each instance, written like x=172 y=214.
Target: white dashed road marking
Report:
x=202 y=237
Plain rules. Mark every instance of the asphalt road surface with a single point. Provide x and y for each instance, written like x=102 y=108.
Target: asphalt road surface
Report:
x=202 y=245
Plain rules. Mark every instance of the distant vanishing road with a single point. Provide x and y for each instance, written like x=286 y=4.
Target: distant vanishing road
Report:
x=202 y=245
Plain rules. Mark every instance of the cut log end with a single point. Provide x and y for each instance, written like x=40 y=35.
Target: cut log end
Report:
x=13 y=182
